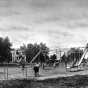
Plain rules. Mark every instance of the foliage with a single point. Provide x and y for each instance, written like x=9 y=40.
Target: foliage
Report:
x=53 y=58
x=73 y=55
x=5 y=47
x=32 y=49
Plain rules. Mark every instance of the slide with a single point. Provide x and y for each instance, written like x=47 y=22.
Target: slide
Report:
x=85 y=51
x=35 y=56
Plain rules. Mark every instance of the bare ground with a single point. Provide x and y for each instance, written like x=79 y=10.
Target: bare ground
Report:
x=49 y=78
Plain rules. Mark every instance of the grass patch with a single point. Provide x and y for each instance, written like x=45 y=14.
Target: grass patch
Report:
x=63 y=82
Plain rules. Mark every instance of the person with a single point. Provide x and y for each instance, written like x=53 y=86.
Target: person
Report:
x=36 y=69
x=22 y=62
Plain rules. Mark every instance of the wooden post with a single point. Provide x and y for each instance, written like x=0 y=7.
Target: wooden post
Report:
x=60 y=54
x=7 y=71
x=26 y=72
x=4 y=73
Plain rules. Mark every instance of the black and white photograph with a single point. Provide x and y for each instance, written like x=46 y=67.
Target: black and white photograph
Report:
x=43 y=43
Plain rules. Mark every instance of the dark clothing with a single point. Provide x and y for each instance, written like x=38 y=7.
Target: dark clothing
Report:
x=36 y=70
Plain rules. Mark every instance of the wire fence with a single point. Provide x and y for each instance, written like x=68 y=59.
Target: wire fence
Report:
x=7 y=73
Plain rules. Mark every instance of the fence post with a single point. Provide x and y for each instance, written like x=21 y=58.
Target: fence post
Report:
x=7 y=71
x=26 y=72
x=4 y=73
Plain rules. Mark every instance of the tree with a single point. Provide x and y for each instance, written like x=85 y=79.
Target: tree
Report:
x=73 y=55
x=44 y=53
x=32 y=49
x=53 y=58
x=5 y=48
x=65 y=60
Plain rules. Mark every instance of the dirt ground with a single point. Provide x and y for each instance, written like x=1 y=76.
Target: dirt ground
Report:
x=49 y=78
x=8 y=73
x=18 y=73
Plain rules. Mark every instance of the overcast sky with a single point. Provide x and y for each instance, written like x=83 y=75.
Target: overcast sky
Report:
x=58 y=23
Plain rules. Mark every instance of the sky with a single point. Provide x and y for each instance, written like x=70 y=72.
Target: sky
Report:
x=58 y=23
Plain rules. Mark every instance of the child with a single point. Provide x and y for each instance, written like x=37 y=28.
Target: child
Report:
x=23 y=62
x=36 y=70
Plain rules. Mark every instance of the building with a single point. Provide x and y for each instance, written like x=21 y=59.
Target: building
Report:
x=16 y=53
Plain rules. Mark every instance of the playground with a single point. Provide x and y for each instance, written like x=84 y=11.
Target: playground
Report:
x=15 y=72
x=8 y=73
x=53 y=78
